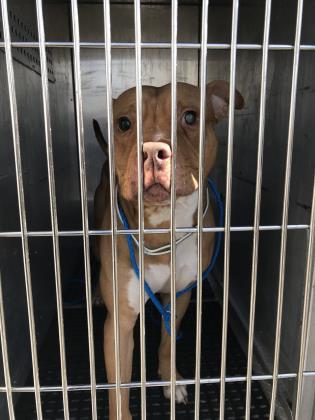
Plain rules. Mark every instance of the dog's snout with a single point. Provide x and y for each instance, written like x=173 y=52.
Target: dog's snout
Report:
x=156 y=164
x=156 y=152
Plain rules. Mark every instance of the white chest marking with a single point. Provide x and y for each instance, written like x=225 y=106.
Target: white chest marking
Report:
x=185 y=209
x=158 y=275
x=186 y=262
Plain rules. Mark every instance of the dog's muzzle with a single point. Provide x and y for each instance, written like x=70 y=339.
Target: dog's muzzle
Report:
x=157 y=170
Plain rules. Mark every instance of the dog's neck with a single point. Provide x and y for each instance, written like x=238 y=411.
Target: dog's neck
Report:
x=158 y=216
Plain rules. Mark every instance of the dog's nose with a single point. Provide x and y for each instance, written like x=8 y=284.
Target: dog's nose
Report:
x=157 y=152
x=156 y=164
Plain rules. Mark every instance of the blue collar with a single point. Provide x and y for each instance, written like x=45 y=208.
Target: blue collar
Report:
x=165 y=311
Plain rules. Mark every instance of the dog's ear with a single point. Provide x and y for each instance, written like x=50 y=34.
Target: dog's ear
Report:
x=99 y=136
x=218 y=97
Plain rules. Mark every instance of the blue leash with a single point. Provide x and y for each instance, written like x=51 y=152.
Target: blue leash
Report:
x=165 y=311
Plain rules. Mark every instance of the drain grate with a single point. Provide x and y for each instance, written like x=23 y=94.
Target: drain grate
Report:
x=157 y=406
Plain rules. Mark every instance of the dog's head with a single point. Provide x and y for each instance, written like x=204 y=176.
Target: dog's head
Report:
x=156 y=126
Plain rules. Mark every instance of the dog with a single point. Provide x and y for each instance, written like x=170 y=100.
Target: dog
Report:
x=157 y=159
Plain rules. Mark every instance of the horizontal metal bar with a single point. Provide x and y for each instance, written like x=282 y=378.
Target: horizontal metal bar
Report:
x=67 y=233
x=153 y=384
x=159 y=45
x=308 y=373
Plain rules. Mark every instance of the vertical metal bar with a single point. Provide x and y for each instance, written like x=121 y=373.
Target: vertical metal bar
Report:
x=261 y=134
x=137 y=5
x=306 y=308
x=83 y=191
x=5 y=358
x=173 y=200
x=203 y=78
x=111 y=160
x=21 y=202
x=285 y=211
x=228 y=206
x=53 y=203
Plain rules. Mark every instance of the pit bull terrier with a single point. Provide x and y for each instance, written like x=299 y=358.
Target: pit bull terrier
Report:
x=157 y=156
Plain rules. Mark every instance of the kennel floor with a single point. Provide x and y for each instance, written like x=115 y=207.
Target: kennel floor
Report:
x=157 y=406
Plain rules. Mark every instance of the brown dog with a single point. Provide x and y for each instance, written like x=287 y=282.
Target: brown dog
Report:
x=157 y=155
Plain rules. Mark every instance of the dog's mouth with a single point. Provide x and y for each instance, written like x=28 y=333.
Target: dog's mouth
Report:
x=156 y=193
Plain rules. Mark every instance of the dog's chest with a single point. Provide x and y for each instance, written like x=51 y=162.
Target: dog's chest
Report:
x=159 y=275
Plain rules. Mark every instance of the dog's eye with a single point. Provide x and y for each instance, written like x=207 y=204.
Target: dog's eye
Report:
x=124 y=123
x=190 y=117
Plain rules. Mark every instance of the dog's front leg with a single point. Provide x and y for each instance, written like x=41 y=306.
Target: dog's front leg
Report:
x=126 y=325
x=165 y=348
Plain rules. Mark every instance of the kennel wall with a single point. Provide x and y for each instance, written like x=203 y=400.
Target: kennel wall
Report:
x=156 y=70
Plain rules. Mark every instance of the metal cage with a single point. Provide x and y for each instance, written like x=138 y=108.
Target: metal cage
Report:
x=61 y=62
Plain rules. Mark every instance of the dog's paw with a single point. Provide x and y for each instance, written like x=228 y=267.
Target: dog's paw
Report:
x=181 y=395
